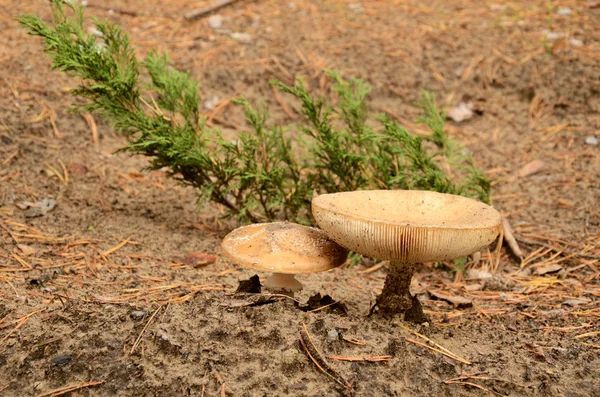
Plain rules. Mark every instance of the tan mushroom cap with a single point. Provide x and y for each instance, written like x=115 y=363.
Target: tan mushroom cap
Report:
x=409 y=226
x=283 y=247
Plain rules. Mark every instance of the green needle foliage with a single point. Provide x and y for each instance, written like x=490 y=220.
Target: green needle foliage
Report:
x=270 y=172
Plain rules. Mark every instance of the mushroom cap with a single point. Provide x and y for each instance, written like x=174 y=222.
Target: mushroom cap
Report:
x=283 y=247
x=408 y=226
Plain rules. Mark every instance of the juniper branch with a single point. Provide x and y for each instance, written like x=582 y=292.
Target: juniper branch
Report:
x=269 y=172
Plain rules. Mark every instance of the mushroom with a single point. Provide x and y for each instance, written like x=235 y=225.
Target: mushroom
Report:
x=284 y=249
x=406 y=227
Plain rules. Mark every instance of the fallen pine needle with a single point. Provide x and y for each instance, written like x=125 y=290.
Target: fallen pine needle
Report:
x=324 y=306
x=317 y=358
x=509 y=237
x=372 y=268
x=63 y=178
x=139 y=338
x=20 y=323
x=7 y=281
x=24 y=318
x=65 y=172
x=477 y=376
x=92 y=124
x=452 y=356
x=355 y=341
x=354 y=359
x=589 y=344
x=68 y=389
x=474 y=385
x=440 y=348
x=116 y=247
x=587 y=335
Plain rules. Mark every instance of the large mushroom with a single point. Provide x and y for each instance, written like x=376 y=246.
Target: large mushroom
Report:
x=284 y=249
x=406 y=227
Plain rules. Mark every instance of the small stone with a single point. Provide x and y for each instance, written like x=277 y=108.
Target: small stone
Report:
x=333 y=335
x=137 y=315
x=554 y=36
x=289 y=356
x=462 y=112
x=215 y=21
x=61 y=360
x=476 y=274
x=39 y=208
x=564 y=11
x=244 y=38
x=575 y=42
x=211 y=103
x=591 y=140
x=356 y=7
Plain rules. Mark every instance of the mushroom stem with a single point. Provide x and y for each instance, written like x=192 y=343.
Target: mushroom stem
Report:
x=396 y=298
x=282 y=282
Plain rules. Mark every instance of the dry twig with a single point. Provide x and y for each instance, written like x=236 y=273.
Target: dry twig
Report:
x=202 y=11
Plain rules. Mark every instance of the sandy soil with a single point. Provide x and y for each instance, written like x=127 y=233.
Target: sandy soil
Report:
x=99 y=296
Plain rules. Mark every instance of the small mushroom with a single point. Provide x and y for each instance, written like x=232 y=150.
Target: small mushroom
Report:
x=284 y=249
x=406 y=227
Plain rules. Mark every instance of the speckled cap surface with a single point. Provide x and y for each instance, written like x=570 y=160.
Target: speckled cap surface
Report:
x=283 y=247
x=407 y=226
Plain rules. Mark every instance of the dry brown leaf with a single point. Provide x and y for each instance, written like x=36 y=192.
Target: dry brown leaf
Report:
x=473 y=287
x=457 y=301
x=26 y=249
x=199 y=259
x=552 y=268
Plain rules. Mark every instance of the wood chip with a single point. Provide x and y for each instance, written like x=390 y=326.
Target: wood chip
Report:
x=552 y=268
x=457 y=301
x=531 y=168
x=199 y=259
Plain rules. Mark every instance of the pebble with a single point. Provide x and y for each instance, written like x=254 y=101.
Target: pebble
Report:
x=211 y=103
x=61 y=360
x=137 y=315
x=591 y=140
x=462 y=112
x=333 y=335
x=564 y=11
x=215 y=21
x=241 y=37
x=289 y=356
x=575 y=42
x=554 y=36
x=356 y=7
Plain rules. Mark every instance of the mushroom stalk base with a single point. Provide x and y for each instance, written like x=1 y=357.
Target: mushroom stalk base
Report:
x=281 y=283
x=396 y=298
